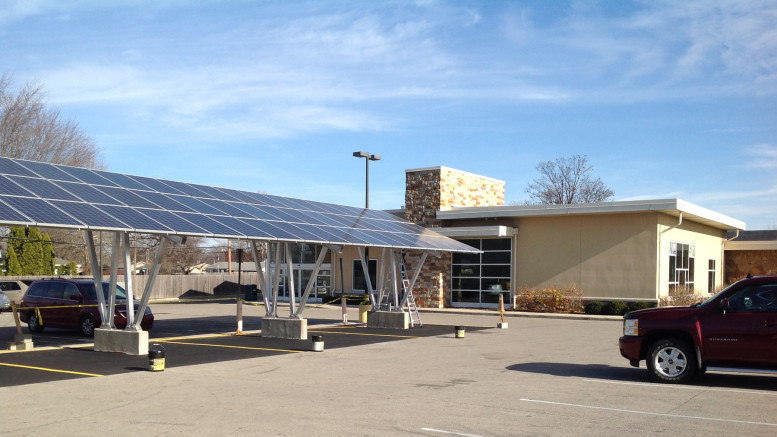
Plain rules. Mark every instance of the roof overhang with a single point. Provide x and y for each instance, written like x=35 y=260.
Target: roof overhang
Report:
x=750 y=245
x=672 y=207
x=476 y=231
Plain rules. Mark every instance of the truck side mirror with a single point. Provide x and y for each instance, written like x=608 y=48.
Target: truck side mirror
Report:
x=725 y=305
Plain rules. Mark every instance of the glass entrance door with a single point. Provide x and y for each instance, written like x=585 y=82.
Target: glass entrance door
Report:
x=303 y=258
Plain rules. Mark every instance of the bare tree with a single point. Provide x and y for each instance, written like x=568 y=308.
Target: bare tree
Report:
x=29 y=129
x=567 y=181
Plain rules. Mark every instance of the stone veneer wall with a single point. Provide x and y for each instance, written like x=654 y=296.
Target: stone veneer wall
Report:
x=427 y=191
x=740 y=263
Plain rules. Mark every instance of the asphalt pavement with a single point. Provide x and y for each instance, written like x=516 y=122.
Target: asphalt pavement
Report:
x=541 y=376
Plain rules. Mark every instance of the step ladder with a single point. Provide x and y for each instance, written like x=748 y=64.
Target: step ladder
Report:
x=415 y=317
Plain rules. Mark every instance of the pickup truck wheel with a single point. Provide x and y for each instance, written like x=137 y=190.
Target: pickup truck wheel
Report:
x=671 y=360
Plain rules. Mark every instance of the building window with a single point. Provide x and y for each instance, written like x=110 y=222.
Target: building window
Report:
x=359 y=281
x=681 y=266
x=711 y=276
x=477 y=279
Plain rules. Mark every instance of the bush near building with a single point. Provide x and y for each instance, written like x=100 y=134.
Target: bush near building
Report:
x=550 y=300
x=615 y=308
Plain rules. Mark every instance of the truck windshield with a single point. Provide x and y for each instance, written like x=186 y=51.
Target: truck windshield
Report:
x=707 y=302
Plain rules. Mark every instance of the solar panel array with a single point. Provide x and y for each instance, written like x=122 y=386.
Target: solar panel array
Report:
x=51 y=195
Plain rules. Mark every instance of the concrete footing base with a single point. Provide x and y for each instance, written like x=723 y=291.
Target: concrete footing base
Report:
x=119 y=340
x=295 y=329
x=388 y=319
x=501 y=325
x=21 y=342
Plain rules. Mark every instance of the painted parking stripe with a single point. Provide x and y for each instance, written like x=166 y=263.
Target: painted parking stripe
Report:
x=45 y=369
x=684 y=387
x=649 y=413
x=442 y=431
x=227 y=346
x=363 y=333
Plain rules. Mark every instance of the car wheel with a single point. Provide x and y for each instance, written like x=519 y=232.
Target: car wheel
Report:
x=86 y=325
x=33 y=324
x=671 y=360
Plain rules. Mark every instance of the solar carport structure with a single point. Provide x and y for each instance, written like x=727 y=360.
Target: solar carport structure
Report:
x=58 y=196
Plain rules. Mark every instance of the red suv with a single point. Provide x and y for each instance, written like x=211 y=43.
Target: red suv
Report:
x=736 y=328
x=72 y=304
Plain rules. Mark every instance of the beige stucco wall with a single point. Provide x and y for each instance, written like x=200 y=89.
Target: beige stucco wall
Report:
x=606 y=256
x=709 y=245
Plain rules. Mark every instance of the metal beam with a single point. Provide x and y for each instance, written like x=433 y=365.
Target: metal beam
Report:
x=290 y=284
x=260 y=269
x=150 y=283
x=311 y=281
x=276 y=280
x=112 y=278
x=97 y=274
x=128 y=283
x=416 y=272
x=366 y=269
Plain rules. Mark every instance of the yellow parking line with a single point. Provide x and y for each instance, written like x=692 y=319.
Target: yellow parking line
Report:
x=228 y=346
x=49 y=370
x=364 y=333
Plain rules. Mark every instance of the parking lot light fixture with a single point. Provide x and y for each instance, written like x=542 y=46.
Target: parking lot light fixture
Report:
x=367 y=160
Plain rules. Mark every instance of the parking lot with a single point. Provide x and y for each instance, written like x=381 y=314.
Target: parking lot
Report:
x=542 y=376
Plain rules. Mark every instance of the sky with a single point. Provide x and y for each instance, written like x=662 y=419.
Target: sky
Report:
x=667 y=99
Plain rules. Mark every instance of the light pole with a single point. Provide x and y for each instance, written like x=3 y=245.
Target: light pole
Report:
x=367 y=160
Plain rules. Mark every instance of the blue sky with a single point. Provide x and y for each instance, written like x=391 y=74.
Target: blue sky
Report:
x=667 y=99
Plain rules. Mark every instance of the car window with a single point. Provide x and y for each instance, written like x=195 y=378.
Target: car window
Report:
x=38 y=289
x=71 y=292
x=56 y=290
x=91 y=295
x=9 y=286
x=755 y=299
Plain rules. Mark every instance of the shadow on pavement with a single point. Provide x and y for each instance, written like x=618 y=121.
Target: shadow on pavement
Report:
x=745 y=381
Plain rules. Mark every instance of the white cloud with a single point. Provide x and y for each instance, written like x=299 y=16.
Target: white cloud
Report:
x=763 y=156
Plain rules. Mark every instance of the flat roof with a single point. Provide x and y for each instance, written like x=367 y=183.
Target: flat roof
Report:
x=672 y=207
x=444 y=168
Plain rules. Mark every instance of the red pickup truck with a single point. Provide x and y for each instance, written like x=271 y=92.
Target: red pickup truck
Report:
x=736 y=328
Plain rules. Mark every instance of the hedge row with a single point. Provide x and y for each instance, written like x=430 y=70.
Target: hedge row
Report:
x=615 y=307
x=554 y=300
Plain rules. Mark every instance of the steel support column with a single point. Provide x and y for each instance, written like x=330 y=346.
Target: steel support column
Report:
x=311 y=282
x=97 y=274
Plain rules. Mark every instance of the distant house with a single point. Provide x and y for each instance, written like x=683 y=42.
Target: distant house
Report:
x=224 y=267
x=58 y=262
x=197 y=269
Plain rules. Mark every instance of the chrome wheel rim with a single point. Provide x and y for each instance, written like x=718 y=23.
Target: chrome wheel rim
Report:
x=87 y=326
x=670 y=362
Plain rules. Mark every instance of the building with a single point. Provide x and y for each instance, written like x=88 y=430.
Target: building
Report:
x=630 y=250
x=750 y=253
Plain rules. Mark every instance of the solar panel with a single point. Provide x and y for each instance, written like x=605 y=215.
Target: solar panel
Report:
x=9 y=215
x=86 y=175
x=43 y=188
x=41 y=212
x=89 y=215
x=36 y=193
x=9 y=166
x=135 y=219
x=87 y=193
x=48 y=171
x=127 y=197
x=8 y=187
